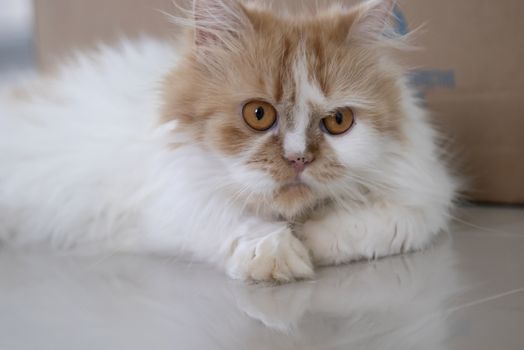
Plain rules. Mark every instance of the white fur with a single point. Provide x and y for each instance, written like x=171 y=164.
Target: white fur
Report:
x=84 y=164
x=74 y=154
x=306 y=92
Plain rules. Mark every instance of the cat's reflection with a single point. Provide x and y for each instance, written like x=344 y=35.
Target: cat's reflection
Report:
x=130 y=302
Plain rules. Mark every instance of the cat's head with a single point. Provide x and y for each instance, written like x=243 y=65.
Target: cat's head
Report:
x=299 y=108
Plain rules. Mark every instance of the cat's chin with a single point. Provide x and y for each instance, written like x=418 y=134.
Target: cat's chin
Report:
x=294 y=199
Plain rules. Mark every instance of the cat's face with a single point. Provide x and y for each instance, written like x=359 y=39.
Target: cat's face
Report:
x=300 y=110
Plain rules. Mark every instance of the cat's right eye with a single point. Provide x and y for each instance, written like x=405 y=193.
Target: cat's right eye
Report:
x=259 y=115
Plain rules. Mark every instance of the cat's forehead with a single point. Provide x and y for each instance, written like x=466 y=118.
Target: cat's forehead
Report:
x=301 y=62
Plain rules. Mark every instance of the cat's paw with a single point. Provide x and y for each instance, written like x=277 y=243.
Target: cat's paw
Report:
x=278 y=257
x=330 y=242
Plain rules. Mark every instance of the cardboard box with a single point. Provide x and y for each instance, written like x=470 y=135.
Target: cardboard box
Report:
x=468 y=70
x=62 y=26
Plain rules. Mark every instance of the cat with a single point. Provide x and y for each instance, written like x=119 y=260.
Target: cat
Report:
x=267 y=144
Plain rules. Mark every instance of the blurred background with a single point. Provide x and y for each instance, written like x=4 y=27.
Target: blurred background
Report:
x=16 y=37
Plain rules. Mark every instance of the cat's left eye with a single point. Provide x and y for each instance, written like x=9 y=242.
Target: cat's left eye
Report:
x=259 y=115
x=339 y=121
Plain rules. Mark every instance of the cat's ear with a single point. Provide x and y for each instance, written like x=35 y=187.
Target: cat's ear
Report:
x=373 y=19
x=218 y=22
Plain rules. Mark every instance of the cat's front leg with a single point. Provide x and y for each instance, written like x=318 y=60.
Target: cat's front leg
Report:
x=342 y=235
x=272 y=253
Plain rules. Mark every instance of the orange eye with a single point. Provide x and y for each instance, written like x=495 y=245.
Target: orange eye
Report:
x=259 y=115
x=339 y=121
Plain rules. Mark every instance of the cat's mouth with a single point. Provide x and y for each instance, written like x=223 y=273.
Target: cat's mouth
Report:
x=295 y=190
x=293 y=197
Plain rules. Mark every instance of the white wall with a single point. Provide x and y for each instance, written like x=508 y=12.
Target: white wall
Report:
x=15 y=18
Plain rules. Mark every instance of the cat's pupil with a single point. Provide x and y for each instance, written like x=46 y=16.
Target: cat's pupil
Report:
x=339 y=118
x=259 y=113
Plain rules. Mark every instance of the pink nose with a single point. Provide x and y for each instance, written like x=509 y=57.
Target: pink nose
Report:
x=299 y=161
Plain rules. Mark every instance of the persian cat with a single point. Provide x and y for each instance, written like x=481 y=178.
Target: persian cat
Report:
x=267 y=144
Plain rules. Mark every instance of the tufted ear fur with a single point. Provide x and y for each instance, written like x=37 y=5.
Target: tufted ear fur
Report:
x=373 y=20
x=218 y=22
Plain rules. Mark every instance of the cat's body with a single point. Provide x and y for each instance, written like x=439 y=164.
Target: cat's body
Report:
x=143 y=148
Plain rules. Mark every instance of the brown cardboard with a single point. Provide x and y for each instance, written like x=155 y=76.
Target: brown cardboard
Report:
x=62 y=26
x=469 y=70
x=482 y=43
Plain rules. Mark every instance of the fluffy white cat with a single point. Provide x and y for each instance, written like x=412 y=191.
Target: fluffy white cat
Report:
x=266 y=144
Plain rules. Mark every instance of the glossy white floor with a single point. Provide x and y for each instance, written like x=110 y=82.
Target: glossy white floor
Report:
x=466 y=292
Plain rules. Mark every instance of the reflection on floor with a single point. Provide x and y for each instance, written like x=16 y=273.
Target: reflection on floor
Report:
x=466 y=292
